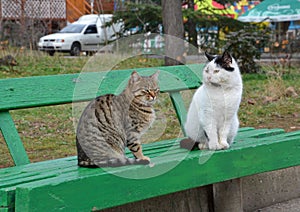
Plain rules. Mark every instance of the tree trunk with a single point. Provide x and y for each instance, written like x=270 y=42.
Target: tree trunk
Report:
x=191 y=26
x=174 y=32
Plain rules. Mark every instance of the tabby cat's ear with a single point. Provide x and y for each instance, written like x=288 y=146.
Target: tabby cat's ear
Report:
x=134 y=77
x=155 y=75
x=209 y=56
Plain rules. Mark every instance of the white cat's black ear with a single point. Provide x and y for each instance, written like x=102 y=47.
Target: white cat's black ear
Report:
x=209 y=56
x=134 y=77
x=155 y=75
x=226 y=57
x=225 y=61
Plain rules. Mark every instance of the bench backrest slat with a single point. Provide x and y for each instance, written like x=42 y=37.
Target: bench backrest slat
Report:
x=39 y=91
x=13 y=140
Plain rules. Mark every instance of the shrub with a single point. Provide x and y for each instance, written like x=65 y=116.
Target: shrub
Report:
x=247 y=45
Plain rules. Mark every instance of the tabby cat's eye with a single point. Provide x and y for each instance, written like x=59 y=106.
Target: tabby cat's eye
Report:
x=149 y=91
x=216 y=71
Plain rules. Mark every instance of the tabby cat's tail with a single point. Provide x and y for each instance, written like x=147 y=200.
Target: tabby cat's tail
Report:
x=116 y=162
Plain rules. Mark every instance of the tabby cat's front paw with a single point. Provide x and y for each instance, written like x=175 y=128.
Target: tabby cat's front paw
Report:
x=144 y=160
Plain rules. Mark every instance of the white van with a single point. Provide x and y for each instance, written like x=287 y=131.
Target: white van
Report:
x=87 y=34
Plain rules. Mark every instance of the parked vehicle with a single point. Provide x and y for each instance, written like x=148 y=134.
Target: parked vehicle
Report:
x=87 y=34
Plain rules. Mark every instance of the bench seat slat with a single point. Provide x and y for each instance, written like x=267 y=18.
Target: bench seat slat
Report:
x=45 y=172
x=259 y=133
x=35 y=166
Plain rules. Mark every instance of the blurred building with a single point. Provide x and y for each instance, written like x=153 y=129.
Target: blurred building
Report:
x=22 y=22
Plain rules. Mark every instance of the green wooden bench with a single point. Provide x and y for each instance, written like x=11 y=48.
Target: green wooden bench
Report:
x=60 y=184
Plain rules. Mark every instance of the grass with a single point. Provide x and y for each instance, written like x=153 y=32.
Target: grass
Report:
x=48 y=132
x=266 y=104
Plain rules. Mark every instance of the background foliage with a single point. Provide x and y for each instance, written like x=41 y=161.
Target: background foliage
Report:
x=214 y=33
x=247 y=44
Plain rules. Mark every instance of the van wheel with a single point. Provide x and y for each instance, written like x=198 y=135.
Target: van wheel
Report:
x=75 y=49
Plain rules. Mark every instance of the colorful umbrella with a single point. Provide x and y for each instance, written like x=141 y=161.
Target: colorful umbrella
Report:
x=242 y=6
x=209 y=7
x=273 y=11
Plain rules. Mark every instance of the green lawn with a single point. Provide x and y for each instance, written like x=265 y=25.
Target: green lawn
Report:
x=48 y=132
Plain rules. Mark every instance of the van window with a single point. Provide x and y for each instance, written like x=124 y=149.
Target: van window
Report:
x=91 y=29
x=73 y=28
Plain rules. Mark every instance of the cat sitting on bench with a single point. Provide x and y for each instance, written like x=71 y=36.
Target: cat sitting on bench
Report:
x=212 y=119
x=110 y=123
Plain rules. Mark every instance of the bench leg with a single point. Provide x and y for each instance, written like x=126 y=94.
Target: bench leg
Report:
x=206 y=198
x=228 y=196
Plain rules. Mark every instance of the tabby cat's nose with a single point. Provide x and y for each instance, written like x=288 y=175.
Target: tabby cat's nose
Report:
x=152 y=98
x=152 y=95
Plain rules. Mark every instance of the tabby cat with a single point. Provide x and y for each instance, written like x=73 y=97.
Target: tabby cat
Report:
x=212 y=119
x=110 y=123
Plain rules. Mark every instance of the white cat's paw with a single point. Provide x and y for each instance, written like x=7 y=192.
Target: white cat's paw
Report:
x=202 y=146
x=224 y=145
x=214 y=146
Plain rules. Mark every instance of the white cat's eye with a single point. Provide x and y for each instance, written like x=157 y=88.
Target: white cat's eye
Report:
x=216 y=71
x=206 y=70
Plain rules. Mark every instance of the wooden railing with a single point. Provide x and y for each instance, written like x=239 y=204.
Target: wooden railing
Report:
x=76 y=8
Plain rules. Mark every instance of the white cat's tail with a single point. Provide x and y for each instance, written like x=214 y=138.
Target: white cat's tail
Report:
x=189 y=144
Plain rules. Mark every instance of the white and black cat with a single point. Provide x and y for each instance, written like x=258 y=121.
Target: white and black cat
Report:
x=212 y=119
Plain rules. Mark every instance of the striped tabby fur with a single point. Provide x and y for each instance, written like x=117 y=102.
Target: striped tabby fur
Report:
x=110 y=123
